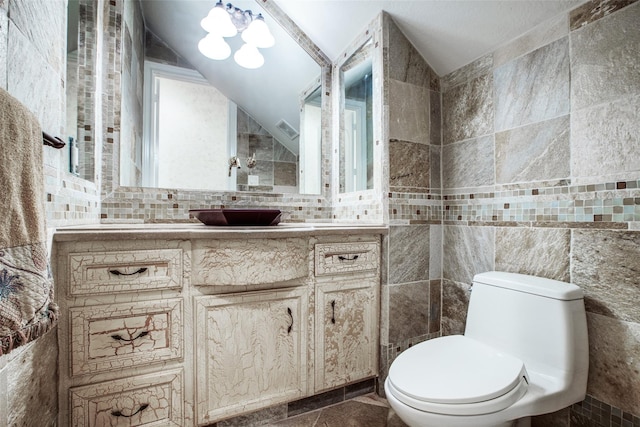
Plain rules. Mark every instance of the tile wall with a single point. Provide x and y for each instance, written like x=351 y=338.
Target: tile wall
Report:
x=33 y=69
x=541 y=175
x=411 y=279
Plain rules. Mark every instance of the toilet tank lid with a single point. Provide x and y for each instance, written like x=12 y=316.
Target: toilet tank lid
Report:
x=531 y=284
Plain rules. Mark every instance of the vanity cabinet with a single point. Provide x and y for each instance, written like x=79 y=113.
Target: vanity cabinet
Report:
x=346 y=315
x=162 y=326
x=121 y=332
x=251 y=351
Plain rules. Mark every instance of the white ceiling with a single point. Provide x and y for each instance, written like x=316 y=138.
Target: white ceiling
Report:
x=448 y=33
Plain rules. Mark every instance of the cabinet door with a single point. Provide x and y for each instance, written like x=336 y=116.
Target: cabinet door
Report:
x=251 y=351
x=346 y=338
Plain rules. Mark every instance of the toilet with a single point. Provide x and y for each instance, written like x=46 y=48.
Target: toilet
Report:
x=524 y=352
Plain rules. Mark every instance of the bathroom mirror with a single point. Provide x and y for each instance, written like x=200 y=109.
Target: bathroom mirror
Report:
x=79 y=151
x=356 y=128
x=269 y=104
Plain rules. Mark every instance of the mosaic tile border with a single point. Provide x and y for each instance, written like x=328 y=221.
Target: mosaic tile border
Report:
x=607 y=202
x=600 y=414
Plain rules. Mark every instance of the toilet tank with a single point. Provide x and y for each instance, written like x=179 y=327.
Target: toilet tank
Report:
x=538 y=320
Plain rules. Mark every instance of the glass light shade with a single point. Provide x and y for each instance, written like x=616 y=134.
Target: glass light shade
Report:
x=258 y=34
x=249 y=57
x=214 y=47
x=219 y=22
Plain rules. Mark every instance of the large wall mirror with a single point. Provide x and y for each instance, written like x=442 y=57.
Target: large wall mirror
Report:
x=356 y=128
x=188 y=122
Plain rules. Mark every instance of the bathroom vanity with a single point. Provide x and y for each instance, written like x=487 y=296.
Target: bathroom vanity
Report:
x=187 y=325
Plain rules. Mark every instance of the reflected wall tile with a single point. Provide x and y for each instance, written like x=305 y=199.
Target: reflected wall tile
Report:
x=455 y=303
x=605 y=139
x=533 y=153
x=285 y=173
x=469 y=163
x=541 y=35
x=467 y=251
x=542 y=252
x=605 y=263
x=408 y=112
x=614 y=362
x=408 y=253
x=409 y=166
x=467 y=110
x=534 y=87
x=604 y=59
x=408 y=311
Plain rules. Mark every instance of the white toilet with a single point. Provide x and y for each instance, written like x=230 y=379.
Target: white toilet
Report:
x=524 y=352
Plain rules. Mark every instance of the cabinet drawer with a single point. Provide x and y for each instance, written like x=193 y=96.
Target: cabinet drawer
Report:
x=249 y=262
x=124 y=271
x=116 y=336
x=150 y=400
x=339 y=258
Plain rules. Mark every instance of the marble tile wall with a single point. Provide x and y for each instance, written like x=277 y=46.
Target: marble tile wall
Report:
x=412 y=269
x=33 y=69
x=552 y=188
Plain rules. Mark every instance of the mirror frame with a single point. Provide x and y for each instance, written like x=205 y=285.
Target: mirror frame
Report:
x=113 y=194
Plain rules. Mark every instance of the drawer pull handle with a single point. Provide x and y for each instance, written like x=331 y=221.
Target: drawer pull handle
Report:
x=119 y=337
x=333 y=311
x=291 y=317
x=120 y=273
x=140 y=409
x=347 y=258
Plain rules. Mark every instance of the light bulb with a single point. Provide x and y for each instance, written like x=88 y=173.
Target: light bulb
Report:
x=258 y=34
x=214 y=47
x=218 y=22
x=249 y=57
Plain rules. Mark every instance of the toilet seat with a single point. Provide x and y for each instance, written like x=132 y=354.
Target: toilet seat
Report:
x=457 y=375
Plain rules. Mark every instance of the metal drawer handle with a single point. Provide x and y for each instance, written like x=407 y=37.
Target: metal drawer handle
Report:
x=120 y=273
x=119 y=337
x=347 y=258
x=291 y=316
x=140 y=409
x=333 y=311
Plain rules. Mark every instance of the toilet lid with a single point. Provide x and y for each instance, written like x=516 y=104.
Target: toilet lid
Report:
x=455 y=370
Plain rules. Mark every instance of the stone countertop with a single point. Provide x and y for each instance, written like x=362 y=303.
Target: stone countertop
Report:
x=187 y=231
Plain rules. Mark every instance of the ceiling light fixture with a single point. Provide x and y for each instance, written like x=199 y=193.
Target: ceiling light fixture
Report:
x=227 y=21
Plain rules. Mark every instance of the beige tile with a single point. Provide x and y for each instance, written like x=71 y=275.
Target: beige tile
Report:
x=408 y=112
x=467 y=110
x=604 y=59
x=614 y=362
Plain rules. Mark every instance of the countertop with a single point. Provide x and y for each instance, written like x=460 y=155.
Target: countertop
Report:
x=200 y=231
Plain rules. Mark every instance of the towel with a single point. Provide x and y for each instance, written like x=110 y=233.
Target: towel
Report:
x=27 y=310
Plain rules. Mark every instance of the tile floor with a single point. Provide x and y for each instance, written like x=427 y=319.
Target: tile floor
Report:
x=364 y=411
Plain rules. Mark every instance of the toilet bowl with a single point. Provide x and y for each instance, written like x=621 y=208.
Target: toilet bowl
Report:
x=524 y=352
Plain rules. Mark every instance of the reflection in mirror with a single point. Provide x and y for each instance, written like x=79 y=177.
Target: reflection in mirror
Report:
x=73 y=11
x=311 y=144
x=269 y=125
x=187 y=127
x=356 y=139
x=80 y=87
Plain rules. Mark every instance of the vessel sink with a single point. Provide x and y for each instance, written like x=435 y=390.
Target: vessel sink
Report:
x=237 y=217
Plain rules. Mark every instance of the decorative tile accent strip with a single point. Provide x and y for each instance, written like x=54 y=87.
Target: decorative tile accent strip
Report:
x=600 y=414
x=607 y=202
